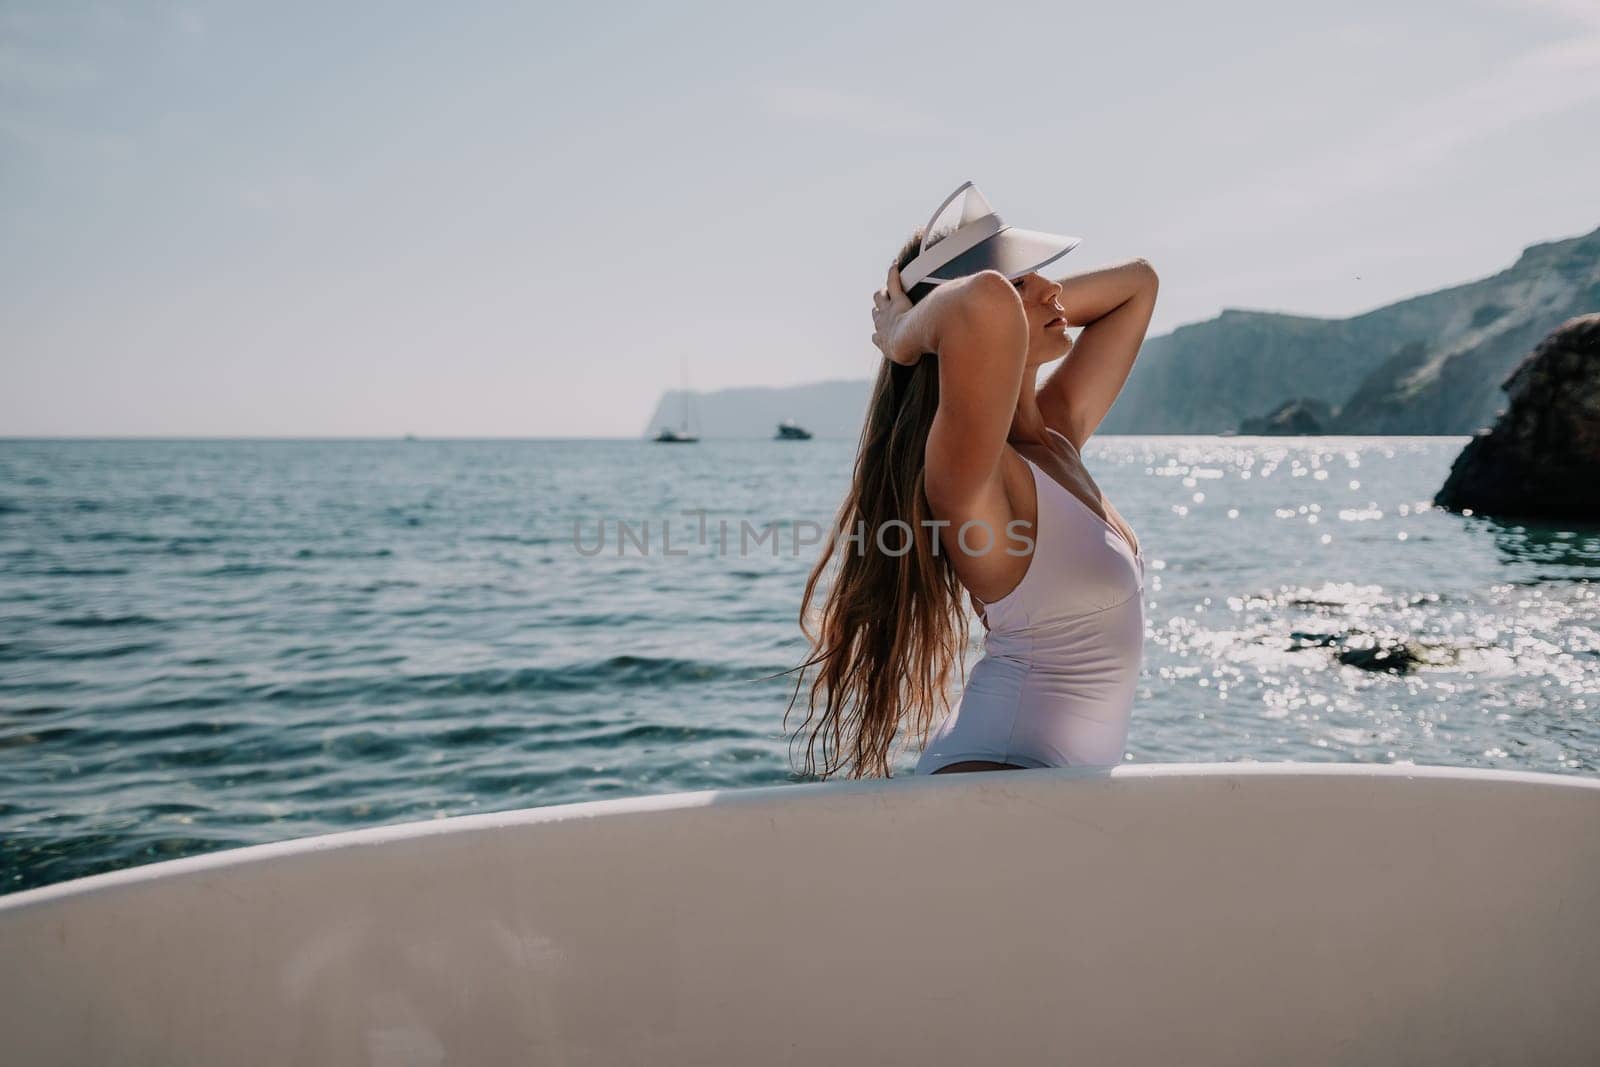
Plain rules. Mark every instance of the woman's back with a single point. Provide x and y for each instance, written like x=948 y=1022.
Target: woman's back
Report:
x=1061 y=661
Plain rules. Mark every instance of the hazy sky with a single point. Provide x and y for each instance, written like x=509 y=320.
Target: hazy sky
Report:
x=473 y=219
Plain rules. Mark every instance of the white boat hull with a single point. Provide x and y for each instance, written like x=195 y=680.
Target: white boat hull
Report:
x=1172 y=914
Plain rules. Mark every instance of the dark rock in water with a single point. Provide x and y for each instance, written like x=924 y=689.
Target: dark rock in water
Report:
x=1380 y=654
x=1367 y=651
x=1305 y=415
x=1541 y=460
x=1300 y=639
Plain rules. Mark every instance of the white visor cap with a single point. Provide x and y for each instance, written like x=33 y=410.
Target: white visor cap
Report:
x=965 y=236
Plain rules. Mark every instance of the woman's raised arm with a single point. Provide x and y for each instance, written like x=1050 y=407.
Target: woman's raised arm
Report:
x=977 y=327
x=982 y=352
x=1114 y=307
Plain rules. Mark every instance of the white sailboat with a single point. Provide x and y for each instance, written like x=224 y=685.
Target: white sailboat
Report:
x=682 y=434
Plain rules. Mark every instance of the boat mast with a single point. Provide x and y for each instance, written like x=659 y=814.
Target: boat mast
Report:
x=683 y=365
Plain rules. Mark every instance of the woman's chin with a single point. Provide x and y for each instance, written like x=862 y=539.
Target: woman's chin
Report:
x=1048 y=353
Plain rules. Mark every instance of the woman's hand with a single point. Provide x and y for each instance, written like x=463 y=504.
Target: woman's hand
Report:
x=890 y=306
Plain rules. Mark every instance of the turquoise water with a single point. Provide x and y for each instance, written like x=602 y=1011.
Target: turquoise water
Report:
x=209 y=644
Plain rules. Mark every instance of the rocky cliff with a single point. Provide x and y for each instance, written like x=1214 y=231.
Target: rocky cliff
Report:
x=1541 y=460
x=1302 y=415
x=1452 y=384
x=1429 y=364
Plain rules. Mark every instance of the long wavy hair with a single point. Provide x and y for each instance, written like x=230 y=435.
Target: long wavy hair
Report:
x=892 y=625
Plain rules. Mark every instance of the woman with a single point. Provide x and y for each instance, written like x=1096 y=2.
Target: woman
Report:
x=978 y=470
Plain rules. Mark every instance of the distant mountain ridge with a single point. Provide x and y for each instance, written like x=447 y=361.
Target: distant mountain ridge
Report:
x=1452 y=384
x=827 y=409
x=1430 y=364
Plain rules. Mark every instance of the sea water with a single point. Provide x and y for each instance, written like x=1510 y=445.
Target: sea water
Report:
x=206 y=644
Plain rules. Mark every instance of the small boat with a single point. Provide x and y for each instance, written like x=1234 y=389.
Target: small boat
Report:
x=789 y=430
x=681 y=434
x=1221 y=913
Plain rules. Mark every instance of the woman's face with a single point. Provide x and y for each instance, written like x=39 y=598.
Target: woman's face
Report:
x=1047 y=319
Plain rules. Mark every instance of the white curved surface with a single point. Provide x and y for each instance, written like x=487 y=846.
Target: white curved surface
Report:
x=1172 y=914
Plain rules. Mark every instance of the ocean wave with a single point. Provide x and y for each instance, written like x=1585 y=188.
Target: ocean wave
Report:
x=112 y=537
x=89 y=622
x=243 y=570
x=62 y=570
x=24 y=651
x=383 y=689
x=658 y=731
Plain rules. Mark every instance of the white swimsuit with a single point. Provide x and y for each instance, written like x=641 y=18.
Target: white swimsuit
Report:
x=1060 y=666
